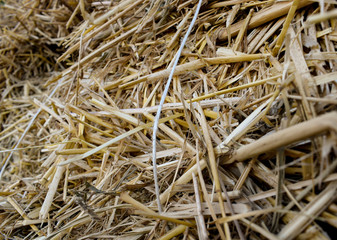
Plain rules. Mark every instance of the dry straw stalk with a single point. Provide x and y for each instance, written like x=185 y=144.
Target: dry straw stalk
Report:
x=245 y=146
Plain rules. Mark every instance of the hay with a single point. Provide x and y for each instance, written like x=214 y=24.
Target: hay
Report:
x=246 y=139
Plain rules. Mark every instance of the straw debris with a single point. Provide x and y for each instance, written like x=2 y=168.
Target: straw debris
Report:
x=245 y=143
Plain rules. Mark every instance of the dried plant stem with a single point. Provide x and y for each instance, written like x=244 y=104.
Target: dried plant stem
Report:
x=308 y=214
x=233 y=89
x=287 y=136
x=244 y=175
x=98 y=30
x=200 y=218
x=17 y=145
x=100 y=50
x=275 y=11
x=259 y=229
x=303 y=78
x=176 y=106
x=213 y=165
x=185 y=178
x=280 y=161
x=174 y=232
x=5 y=163
x=172 y=134
x=322 y=17
x=194 y=65
x=323 y=176
x=242 y=31
x=83 y=83
x=114 y=10
x=255 y=116
x=247 y=215
x=148 y=212
x=228 y=3
x=18 y=208
x=231 y=210
x=114 y=140
x=204 y=190
x=52 y=188
x=286 y=24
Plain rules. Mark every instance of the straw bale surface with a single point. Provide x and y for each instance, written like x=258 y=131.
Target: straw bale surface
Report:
x=246 y=144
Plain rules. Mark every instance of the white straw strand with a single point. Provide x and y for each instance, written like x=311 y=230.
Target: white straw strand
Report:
x=156 y=121
x=30 y=124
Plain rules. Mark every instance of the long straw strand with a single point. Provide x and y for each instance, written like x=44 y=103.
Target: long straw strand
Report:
x=156 y=121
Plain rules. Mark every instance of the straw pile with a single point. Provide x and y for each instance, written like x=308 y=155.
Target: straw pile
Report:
x=246 y=141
